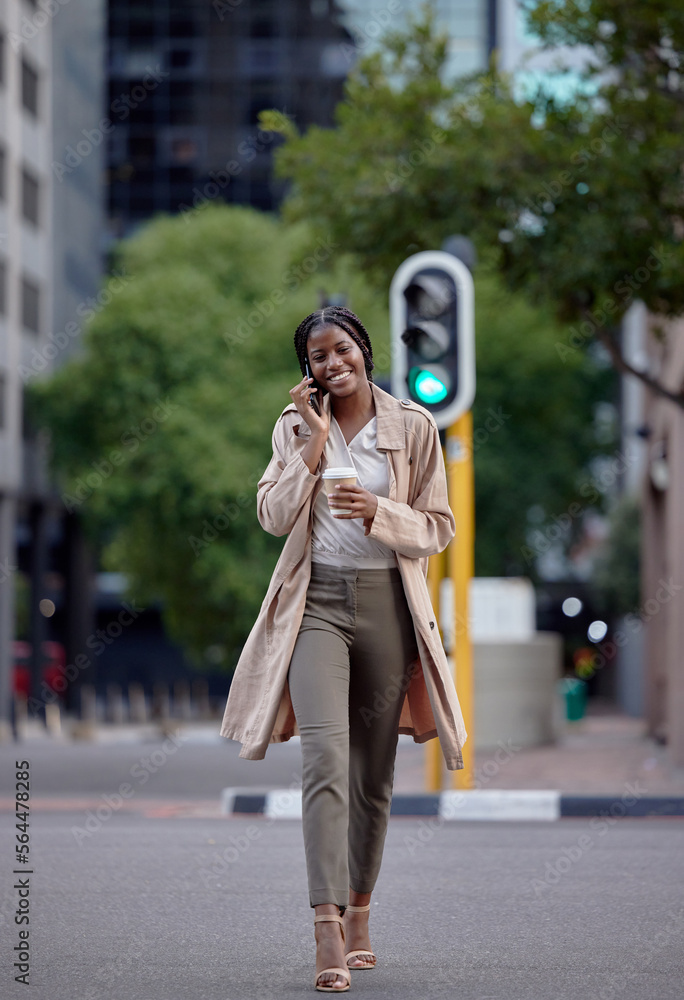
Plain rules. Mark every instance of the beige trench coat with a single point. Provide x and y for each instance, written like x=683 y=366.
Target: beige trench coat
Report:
x=415 y=521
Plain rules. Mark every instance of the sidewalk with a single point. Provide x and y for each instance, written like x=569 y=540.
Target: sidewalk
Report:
x=598 y=755
x=603 y=765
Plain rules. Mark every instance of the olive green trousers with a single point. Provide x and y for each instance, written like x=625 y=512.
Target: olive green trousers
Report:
x=348 y=675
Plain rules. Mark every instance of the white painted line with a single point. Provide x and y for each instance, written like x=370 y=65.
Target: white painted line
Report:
x=284 y=803
x=493 y=804
x=228 y=800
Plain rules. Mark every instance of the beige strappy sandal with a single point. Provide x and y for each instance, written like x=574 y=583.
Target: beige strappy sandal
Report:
x=344 y=973
x=360 y=951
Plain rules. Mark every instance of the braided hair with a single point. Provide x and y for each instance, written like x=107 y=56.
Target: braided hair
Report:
x=334 y=316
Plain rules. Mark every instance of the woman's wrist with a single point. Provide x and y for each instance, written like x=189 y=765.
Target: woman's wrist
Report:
x=313 y=449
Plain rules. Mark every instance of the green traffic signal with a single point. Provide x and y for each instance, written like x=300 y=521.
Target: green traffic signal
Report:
x=429 y=385
x=431 y=311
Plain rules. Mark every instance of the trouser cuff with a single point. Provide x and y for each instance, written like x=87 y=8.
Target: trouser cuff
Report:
x=362 y=886
x=338 y=896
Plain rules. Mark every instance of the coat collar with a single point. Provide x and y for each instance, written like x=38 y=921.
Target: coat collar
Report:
x=391 y=433
x=390 y=429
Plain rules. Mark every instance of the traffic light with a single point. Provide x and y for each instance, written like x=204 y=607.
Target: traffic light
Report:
x=433 y=352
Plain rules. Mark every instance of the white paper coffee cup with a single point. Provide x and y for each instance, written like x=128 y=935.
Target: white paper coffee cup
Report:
x=342 y=475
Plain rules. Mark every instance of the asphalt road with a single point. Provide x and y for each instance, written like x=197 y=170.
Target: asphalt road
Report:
x=475 y=911
x=197 y=766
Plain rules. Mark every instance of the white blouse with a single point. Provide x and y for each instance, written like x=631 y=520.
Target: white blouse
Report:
x=341 y=541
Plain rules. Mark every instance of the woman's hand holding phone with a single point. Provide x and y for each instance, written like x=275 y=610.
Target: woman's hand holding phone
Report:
x=313 y=401
x=317 y=419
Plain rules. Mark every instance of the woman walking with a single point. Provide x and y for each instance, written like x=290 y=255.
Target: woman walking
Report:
x=346 y=650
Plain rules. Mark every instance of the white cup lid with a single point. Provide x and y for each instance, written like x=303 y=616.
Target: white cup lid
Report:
x=344 y=472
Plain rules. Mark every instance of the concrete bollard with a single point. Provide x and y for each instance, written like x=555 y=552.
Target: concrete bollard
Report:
x=115 y=706
x=86 y=727
x=88 y=703
x=182 y=708
x=137 y=703
x=53 y=720
x=160 y=702
x=20 y=715
x=200 y=698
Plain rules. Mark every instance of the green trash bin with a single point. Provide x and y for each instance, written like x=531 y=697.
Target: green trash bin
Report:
x=574 y=691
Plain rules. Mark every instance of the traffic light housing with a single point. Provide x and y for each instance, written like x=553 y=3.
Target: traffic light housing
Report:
x=433 y=351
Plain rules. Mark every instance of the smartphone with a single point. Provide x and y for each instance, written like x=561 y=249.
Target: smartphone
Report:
x=312 y=398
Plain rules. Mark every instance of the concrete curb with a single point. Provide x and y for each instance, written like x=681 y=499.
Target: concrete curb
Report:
x=481 y=804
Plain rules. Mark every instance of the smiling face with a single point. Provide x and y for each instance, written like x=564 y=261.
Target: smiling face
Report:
x=336 y=361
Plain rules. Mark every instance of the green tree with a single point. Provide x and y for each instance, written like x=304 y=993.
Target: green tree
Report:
x=578 y=202
x=535 y=431
x=411 y=160
x=161 y=425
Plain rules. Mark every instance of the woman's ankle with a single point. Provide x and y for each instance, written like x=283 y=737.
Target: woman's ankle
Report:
x=359 y=898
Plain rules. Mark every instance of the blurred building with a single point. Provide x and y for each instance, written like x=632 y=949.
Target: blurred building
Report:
x=661 y=615
x=187 y=80
x=650 y=659
x=25 y=269
x=472 y=26
x=50 y=252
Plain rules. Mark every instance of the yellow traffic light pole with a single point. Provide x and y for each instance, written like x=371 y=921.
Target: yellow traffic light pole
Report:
x=434 y=761
x=460 y=562
x=457 y=562
x=433 y=355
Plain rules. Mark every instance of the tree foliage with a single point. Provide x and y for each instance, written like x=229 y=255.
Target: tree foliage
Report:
x=161 y=426
x=535 y=433
x=578 y=202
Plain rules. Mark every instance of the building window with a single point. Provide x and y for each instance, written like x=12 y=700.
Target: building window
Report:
x=180 y=58
x=183 y=150
x=263 y=28
x=30 y=305
x=142 y=148
x=29 y=88
x=29 y=197
x=262 y=100
x=3 y=288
